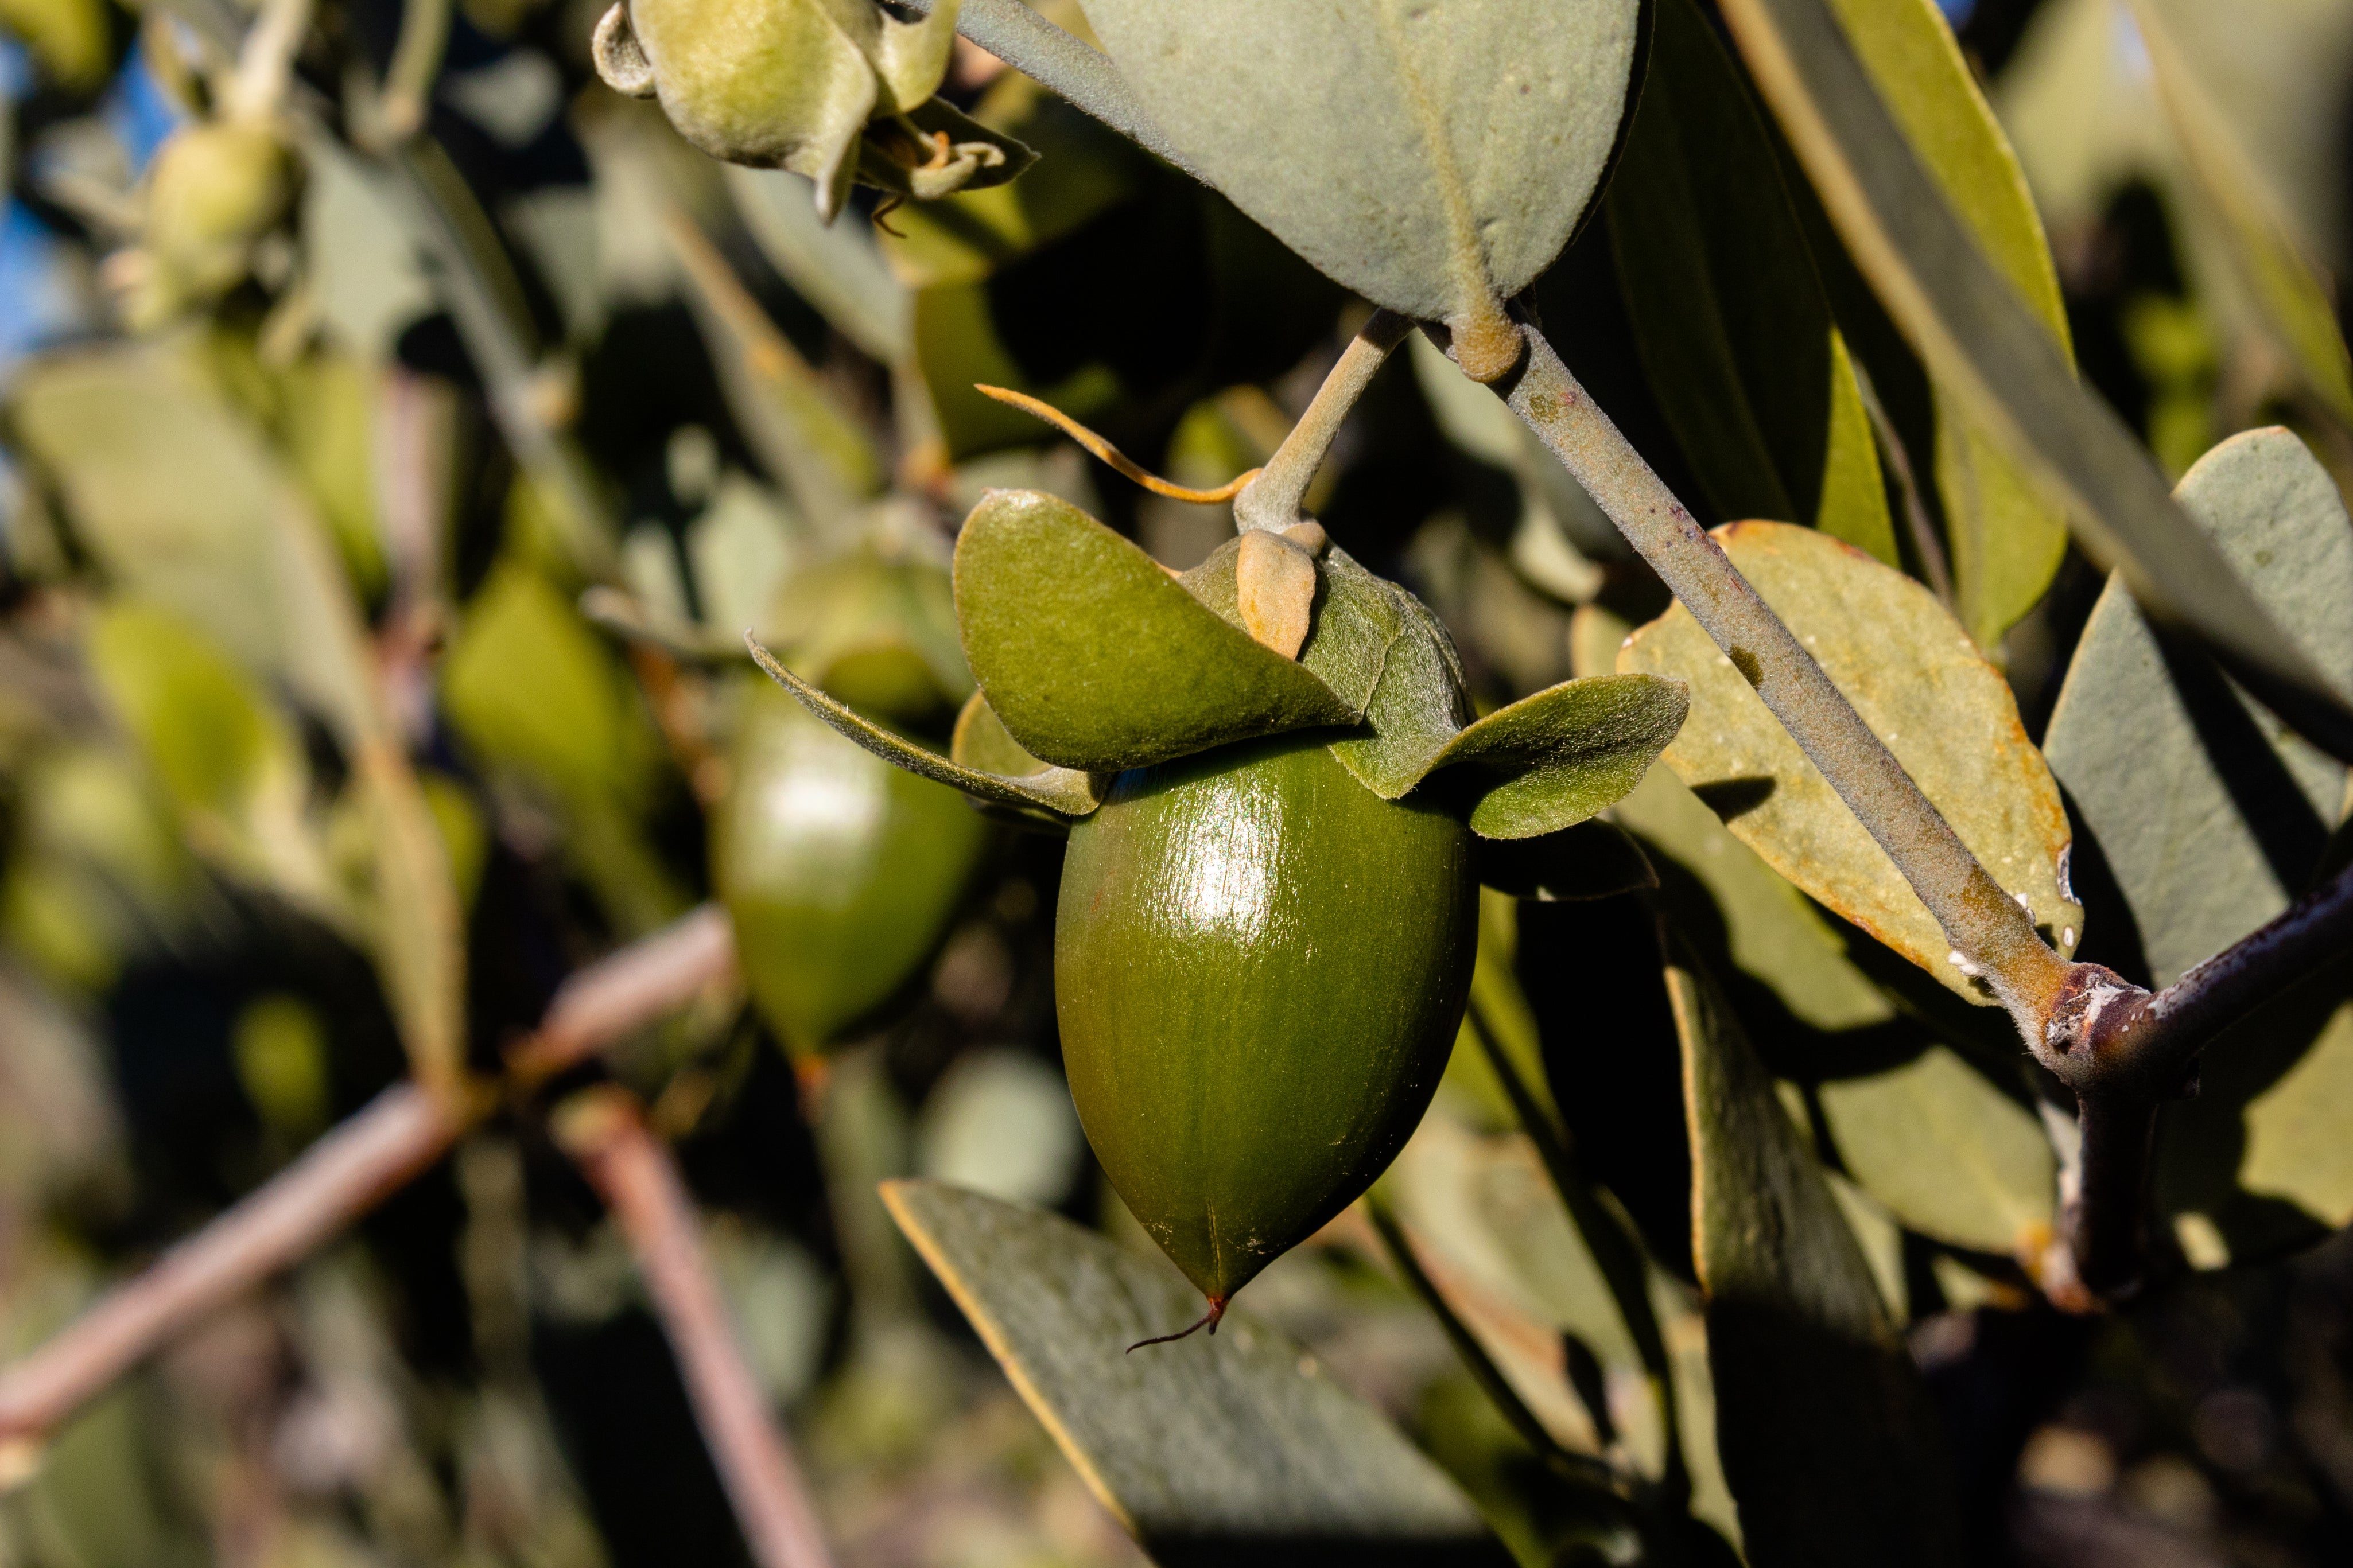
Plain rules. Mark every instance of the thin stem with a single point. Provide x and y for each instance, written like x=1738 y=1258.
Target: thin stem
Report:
x=340 y=1177
x=416 y=62
x=1615 y=1253
x=1272 y=500
x=1478 y=1362
x=1077 y=72
x=605 y=1134
x=1979 y=919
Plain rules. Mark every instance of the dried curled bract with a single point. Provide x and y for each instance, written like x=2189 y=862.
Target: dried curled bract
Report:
x=840 y=90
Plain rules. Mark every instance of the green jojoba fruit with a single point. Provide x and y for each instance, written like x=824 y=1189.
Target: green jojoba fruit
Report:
x=839 y=871
x=215 y=189
x=1259 y=969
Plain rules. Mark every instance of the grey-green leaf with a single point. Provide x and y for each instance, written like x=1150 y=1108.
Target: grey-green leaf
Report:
x=1550 y=761
x=1950 y=1156
x=1239 y=1449
x=2209 y=811
x=1828 y=1438
x=1096 y=659
x=1727 y=311
x=1058 y=790
x=1434 y=156
x=1918 y=681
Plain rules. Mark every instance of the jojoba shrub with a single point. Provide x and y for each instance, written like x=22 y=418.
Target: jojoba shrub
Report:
x=1402 y=781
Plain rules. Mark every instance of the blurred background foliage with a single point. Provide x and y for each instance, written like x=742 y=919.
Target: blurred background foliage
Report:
x=378 y=518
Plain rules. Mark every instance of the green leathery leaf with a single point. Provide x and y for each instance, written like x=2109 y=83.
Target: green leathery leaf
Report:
x=2286 y=284
x=1916 y=679
x=1434 y=157
x=1094 y=657
x=1239 y=1449
x=1550 y=761
x=1063 y=791
x=839 y=870
x=2211 y=814
x=1594 y=859
x=2006 y=541
x=1948 y=1153
x=1995 y=355
x=1828 y=1438
x=838 y=270
x=1737 y=337
x=226 y=757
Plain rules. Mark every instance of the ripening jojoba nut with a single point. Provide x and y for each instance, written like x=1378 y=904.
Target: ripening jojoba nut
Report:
x=215 y=188
x=1259 y=969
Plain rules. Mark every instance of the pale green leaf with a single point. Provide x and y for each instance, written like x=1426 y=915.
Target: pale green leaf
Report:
x=1096 y=658
x=1749 y=368
x=1920 y=683
x=1829 y=1441
x=1948 y=1153
x=2210 y=812
x=1063 y=791
x=837 y=268
x=1237 y=1448
x=1434 y=157
x=1550 y=761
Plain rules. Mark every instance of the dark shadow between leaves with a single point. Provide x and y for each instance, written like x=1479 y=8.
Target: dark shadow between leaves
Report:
x=1732 y=799
x=2290 y=833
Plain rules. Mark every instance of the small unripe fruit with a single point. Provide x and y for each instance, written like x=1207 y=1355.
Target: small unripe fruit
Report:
x=215 y=188
x=1259 y=969
x=839 y=871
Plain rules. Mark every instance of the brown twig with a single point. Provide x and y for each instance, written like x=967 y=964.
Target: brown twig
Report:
x=604 y=1130
x=2125 y=1051
x=340 y=1178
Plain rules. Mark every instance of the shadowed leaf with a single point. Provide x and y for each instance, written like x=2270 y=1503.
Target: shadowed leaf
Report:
x=2210 y=811
x=1434 y=158
x=1236 y=1449
x=1948 y=1153
x=1828 y=1438
x=1096 y=659
x=1058 y=790
x=1749 y=368
x=1921 y=685
x=1550 y=761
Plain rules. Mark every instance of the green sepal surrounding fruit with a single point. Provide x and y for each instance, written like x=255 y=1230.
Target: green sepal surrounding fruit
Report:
x=1259 y=969
x=875 y=626
x=215 y=187
x=1381 y=649
x=1593 y=859
x=1551 y=761
x=1096 y=658
x=980 y=743
x=839 y=871
x=1059 y=790
x=793 y=83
